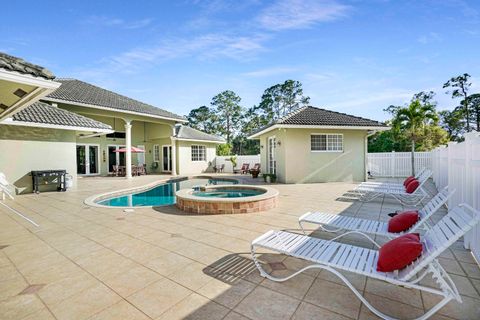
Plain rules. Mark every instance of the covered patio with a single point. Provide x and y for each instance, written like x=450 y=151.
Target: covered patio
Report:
x=159 y=263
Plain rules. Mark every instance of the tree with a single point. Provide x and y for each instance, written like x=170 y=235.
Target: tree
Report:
x=229 y=112
x=474 y=105
x=461 y=86
x=281 y=99
x=453 y=123
x=224 y=149
x=413 y=119
x=203 y=119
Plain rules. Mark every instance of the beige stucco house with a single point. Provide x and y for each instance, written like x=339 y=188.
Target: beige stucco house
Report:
x=316 y=145
x=76 y=126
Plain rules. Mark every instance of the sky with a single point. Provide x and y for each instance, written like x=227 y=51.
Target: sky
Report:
x=351 y=56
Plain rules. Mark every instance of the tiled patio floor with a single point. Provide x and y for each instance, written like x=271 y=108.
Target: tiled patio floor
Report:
x=95 y=263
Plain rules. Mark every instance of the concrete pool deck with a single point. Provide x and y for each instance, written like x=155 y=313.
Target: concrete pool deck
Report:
x=159 y=263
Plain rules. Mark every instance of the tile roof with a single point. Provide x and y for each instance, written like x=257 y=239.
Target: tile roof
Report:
x=43 y=113
x=78 y=91
x=312 y=116
x=189 y=133
x=11 y=63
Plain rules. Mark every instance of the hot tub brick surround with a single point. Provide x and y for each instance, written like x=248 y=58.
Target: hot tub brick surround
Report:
x=247 y=206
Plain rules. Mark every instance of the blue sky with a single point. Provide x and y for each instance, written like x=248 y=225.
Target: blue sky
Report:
x=351 y=56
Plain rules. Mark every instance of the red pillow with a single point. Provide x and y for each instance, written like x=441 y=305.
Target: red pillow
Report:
x=407 y=181
x=412 y=186
x=399 y=253
x=403 y=221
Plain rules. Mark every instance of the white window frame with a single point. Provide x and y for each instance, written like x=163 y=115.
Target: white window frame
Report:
x=272 y=155
x=326 y=142
x=156 y=153
x=199 y=146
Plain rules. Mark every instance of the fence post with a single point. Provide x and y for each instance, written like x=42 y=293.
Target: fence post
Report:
x=392 y=163
x=468 y=198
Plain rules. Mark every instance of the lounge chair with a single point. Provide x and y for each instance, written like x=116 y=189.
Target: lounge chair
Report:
x=6 y=187
x=336 y=223
x=335 y=257
x=368 y=193
x=423 y=174
x=244 y=169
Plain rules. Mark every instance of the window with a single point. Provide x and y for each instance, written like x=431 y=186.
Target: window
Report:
x=199 y=153
x=116 y=135
x=327 y=142
x=156 y=153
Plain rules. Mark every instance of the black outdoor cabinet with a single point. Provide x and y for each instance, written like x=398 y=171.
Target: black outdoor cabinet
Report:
x=46 y=177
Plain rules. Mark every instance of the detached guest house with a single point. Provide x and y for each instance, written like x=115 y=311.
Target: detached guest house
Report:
x=73 y=125
x=316 y=145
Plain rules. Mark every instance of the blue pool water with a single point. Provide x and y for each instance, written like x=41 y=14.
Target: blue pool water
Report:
x=229 y=193
x=161 y=195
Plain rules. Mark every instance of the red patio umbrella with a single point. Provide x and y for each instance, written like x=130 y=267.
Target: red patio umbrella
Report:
x=132 y=149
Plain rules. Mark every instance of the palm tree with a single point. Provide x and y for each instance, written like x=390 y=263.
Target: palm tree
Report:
x=414 y=118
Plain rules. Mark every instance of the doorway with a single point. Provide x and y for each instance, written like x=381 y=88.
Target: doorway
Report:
x=167 y=158
x=88 y=159
x=115 y=158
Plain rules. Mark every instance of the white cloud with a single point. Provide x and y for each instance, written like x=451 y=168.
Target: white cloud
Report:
x=300 y=14
x=267 y=72
x=429 y=38
x=117 y=22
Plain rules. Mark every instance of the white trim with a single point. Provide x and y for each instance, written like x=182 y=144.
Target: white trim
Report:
x=326 y=141
x=198 y=140
x=87 y=158
x=295 y=126
x=191 y=154
x=28 y=79
x=274 y=157
x=11 y=122
x=112 y=109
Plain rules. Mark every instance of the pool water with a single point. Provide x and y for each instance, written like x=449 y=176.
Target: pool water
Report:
x=161 y=195
x=228 y=193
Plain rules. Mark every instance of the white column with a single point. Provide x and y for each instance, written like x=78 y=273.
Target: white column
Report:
x=174 y=155
x=128 y=154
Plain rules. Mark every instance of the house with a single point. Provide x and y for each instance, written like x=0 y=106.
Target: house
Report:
x=73 y=125
x=316 y=145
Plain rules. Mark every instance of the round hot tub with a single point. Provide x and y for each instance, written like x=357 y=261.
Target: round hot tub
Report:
x=227 y=199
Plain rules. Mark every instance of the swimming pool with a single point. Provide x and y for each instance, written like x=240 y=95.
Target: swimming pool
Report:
x=228 y=193
x=161 y=195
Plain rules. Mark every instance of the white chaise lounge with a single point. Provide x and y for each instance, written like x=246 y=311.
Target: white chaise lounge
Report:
x=368 y=193
x=6 y=187
x=336 y=223
x=423 y=174
x=335 y=257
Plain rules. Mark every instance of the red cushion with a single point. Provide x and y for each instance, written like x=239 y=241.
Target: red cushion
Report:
x=412 y=186
x=408 y=180
x=399 y=253
x=403 y=221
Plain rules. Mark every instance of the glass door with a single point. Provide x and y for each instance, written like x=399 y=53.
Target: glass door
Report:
x=115 y=158
x=81 y=160
x=167 y=158
x=272 y=162
x=88 y=159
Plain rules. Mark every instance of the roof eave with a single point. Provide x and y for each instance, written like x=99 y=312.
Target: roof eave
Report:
x=93 y=106
x=296 y=126
x=200 y=140
x=11 y=122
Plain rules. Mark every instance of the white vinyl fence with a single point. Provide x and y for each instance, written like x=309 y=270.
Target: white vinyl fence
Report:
x=397 y=164
x=219 y=160
x=458 y=166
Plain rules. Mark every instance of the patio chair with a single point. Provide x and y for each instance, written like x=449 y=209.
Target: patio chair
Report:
x=6 y=187
x=423 y=174
x=115 y=170
x=334 y=257
x=244 y=169
x=369 y=193
x=221 y=168
x=256 y=167
x=336 y=223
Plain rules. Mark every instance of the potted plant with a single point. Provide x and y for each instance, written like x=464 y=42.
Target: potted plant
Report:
x=269 y=177
x=254 y=173
x=233 y=160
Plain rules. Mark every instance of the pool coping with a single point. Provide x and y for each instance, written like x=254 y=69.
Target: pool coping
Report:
x=92 y=200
